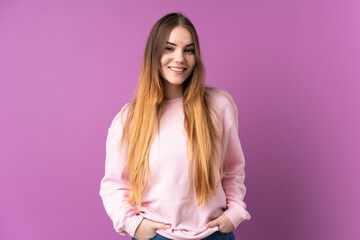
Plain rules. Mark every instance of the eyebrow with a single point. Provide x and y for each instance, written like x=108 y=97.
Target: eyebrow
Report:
x=188 y=45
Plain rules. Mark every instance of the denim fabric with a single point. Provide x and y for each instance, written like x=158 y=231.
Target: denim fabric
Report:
x=215 y=236
x=221 y=236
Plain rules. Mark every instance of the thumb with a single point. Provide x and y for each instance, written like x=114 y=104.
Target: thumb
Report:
x=213 y=223
x=158 y=225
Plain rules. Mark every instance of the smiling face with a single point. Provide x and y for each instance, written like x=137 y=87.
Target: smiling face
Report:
x=178 y=58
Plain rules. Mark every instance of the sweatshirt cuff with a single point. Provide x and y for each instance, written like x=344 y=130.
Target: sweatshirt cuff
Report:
x=132 y=224
x=237 y=216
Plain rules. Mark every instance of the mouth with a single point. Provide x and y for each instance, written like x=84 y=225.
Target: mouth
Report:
x=178 y=69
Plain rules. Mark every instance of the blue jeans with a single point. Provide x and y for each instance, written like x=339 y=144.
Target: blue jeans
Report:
x=215 y=236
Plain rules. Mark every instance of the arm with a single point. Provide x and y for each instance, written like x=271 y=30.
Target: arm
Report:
x=234 y=174
x=114 y=190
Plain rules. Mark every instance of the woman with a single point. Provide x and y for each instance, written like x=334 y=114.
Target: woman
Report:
x=174 y=164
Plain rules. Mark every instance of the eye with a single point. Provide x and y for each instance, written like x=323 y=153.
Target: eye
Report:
x=169 y=49
x=189 y=51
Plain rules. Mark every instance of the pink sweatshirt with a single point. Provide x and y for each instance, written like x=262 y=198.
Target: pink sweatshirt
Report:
x=166 y=198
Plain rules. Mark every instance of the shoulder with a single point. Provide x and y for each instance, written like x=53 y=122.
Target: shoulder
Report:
x=222 y=101
x=120 y=117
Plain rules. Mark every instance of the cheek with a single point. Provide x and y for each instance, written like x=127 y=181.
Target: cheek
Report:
x=192 y=61
x=161 y=69
x=164 y=60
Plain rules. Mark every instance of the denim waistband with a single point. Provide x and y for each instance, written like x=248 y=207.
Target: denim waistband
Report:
x=215 y=236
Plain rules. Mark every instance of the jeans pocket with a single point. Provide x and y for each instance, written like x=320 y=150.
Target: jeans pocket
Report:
x=153 y=237
x=227 y=235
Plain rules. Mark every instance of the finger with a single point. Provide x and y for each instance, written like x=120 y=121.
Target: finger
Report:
x=213 y=223
x=158 y=225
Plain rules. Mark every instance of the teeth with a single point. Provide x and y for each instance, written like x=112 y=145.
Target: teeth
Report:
x=177 y=69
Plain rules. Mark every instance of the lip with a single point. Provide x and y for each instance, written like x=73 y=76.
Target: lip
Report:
x=176 y=67
x=179 y=73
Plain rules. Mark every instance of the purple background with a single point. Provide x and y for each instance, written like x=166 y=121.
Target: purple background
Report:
x=293 y=68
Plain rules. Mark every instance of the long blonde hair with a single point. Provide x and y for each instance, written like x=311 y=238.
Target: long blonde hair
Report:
x=146 y=109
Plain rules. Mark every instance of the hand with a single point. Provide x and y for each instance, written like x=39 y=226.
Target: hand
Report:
x=223 y=222
x=147 y=229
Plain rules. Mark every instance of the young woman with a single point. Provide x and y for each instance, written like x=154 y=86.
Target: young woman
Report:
x=174 y=163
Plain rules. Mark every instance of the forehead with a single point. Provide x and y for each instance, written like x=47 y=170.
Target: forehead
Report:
x=180 y=36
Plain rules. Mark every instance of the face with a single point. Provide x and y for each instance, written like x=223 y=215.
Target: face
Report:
x=178 y=58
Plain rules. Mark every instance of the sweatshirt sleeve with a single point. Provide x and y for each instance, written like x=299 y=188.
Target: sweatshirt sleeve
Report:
x=114 y=190
x=233 y=172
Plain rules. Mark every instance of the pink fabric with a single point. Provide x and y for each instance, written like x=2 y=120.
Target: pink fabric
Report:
x=167 y=198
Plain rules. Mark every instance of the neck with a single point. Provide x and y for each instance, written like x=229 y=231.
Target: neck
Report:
x=172 y=91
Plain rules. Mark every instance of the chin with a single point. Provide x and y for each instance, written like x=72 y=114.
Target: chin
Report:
x=175 y=83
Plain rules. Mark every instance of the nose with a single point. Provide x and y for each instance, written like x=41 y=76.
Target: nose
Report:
x=179 y=56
